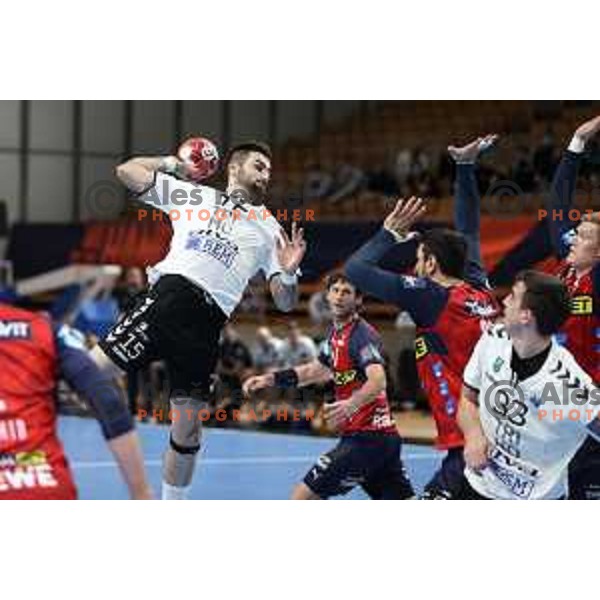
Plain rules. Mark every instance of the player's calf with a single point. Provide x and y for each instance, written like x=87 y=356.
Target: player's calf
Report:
x=184 y=444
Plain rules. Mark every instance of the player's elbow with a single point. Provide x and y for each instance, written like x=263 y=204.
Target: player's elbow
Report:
x=377 y=379
x=122 y=172
x=133 y=177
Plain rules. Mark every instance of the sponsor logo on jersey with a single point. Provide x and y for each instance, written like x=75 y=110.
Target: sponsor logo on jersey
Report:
x=344 y=377
x=382 y=418
x=519 y=486
x=222 y=250
x=25 y=470
x=421 y=348
x=582 y=305
x=479 y=308
x=15 y=330
x=30 y=459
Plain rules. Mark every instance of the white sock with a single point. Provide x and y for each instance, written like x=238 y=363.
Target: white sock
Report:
x=172 y=492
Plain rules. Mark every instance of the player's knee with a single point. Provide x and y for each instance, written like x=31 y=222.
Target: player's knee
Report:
x=103 y=362
x=186 y=426
x=303 y=492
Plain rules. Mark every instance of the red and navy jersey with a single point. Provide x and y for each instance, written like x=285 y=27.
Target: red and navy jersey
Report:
x=443 y=349
x=581 y=331
x=347 y=352
x=32 y=460
x=449 y=323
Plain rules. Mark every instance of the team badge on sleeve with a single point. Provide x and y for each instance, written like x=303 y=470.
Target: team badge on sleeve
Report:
x=370 y=353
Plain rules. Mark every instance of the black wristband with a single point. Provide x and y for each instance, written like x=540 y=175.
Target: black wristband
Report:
x=288 y=378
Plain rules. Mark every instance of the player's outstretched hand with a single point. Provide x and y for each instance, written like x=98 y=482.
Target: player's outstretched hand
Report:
x=589 y=129
x=290 y=251
x=404 y=215
x=473 y=150
x=476 y=452
x=336 y=414
x=256 y=383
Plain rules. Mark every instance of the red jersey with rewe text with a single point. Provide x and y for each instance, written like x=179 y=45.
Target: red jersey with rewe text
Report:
x=443 y=350
x=348 y=351
x=581 y=331
x=33 y=465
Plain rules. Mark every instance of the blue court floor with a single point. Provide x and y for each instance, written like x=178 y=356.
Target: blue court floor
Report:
x=236 y=465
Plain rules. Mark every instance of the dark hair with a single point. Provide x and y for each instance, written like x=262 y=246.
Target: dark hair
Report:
x=448 y=247
x=239 y=152
x=334 y=278
x=547 y=298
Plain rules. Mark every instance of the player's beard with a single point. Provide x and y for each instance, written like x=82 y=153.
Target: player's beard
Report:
x=256 y=194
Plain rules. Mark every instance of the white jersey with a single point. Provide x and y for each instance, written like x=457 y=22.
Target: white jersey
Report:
x=216 y=244
x=534 y=427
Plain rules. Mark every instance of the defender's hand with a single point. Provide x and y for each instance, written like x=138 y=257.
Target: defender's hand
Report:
x=589 y=129
x=473 y=150
x=404 y=215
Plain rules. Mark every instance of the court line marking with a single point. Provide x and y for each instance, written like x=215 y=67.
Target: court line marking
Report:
x=240 y=460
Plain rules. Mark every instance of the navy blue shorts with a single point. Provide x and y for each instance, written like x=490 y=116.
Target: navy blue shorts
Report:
x=584 y=472
x=371 y=460
x=449 y=481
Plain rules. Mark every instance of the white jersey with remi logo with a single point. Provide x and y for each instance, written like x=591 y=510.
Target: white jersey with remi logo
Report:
x=217 y=244
x=534 y=427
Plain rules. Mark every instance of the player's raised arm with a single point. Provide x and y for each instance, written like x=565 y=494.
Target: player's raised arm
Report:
x=417 y=295
x=103 y=395
x=363 y=268
x=467 y=204
x=284 y=284
x=139 y=173
x=563 y=187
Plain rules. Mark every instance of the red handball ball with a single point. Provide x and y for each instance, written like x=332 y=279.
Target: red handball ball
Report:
x=200 y=158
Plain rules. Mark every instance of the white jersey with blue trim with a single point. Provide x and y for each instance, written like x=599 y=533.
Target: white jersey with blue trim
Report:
x=534 y=427
x=217 y=244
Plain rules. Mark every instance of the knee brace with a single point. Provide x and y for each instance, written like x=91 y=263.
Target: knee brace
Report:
x=186 y=427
